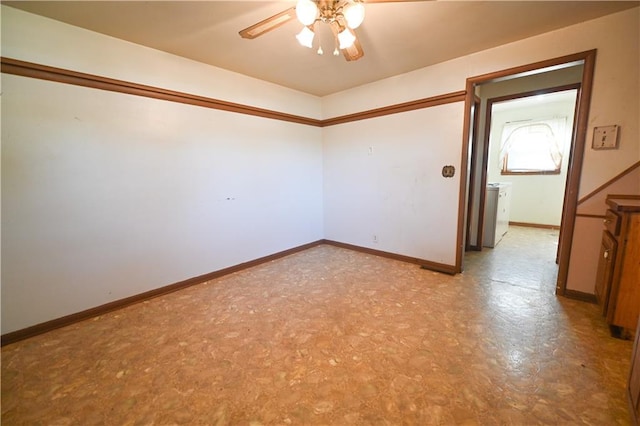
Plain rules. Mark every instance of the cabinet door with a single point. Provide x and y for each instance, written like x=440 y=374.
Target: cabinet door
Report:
x=627 y=275
x=604 y=276
x=633 y=386
x=502 y=219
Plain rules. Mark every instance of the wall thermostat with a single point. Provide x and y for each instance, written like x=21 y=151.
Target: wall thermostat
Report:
x=605 y=137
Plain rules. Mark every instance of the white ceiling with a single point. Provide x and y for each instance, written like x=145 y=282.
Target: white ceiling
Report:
x=397 y=36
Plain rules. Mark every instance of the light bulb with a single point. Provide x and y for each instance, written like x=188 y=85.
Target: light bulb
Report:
x=306 y=11
x=320 y=52
x=336 y=52
x=305 y=37
x=346 y=38
x=354 y=14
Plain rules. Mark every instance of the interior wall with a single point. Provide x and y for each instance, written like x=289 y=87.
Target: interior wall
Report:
x=615 y=88
x=614 y=98
x=536 y=199
x=628 y=183
x=383 y=178
x=589 y=229
x=106 y=195
x=49 y=224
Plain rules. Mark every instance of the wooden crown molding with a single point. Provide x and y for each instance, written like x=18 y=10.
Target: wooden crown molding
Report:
x=394 y=109
x=61 y=75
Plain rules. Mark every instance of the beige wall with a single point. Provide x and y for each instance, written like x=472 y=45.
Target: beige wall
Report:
x=615 y=91
x=615 y=100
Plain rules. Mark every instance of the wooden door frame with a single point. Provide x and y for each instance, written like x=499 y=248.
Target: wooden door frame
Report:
x=487 y=139
x=472 y=172
x=576 y=154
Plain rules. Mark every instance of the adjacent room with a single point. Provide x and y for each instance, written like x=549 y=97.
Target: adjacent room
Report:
x=320 y=212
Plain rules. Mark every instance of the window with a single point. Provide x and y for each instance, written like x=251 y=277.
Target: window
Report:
x=532 y=147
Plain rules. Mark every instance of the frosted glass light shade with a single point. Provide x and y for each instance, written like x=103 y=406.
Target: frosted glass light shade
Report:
x=305 y=37
x=354 y=14
x=346 y=38
x=306 y=11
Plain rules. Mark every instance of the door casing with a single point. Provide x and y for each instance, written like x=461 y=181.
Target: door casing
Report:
x=576 y=154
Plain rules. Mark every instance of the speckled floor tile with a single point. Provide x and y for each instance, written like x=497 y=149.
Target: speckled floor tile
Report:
x=337 y=337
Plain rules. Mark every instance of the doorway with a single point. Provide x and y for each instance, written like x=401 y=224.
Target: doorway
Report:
x=527 y=141
x=528 y=138
x=554 y=72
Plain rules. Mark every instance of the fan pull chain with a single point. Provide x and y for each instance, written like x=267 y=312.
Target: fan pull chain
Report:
x=320 y=52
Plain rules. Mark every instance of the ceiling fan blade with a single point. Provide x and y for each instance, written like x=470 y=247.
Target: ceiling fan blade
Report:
x=268 y=24
x=353 y=52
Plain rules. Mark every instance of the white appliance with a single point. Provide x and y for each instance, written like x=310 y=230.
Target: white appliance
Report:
x=496 y=213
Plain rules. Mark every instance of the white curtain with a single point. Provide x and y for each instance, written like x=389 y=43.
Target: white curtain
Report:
x=534 y=145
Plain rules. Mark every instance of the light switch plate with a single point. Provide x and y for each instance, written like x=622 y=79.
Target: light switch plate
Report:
x=605 y=137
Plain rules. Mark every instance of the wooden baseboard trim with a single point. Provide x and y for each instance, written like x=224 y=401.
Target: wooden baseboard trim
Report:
x=425 y=264
x=579 y=295
x=534 y=225
x=591 y=216
x=44 y=327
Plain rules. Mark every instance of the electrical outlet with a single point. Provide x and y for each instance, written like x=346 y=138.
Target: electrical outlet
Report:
x=375 y=238
x=370 y=152
x=448 y=171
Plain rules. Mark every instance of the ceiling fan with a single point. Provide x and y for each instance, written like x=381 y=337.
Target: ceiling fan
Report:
x=343 y=16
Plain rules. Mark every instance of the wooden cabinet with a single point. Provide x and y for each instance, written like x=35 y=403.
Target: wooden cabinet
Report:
x=633 y=385
x=605 y=269
x=618 y=280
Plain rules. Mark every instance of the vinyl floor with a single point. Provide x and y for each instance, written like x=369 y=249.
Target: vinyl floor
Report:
x=330 y=336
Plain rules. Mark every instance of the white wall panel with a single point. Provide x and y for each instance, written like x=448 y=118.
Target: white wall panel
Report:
x=615 y=88
x=383 y=177
x=614 y=100
x=105 y=195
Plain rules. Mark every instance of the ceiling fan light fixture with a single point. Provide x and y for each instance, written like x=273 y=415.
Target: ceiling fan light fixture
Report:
x=354 y=14
x=306 y=11
x=305 y=37
x=346 y=38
